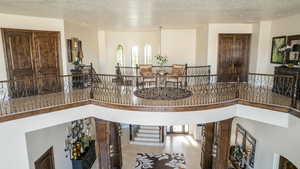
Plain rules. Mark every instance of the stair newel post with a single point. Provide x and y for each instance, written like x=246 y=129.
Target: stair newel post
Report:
x=162 y=134
x=294 y=91
x=92 y=82
x=209 y=72
x=237 y=94
x=186 y=74
x=137 y=75
x=130 y=133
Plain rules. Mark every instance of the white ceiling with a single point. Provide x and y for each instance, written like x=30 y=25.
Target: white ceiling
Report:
x=127 y=14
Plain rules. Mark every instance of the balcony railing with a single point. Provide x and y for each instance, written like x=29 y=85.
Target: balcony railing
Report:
x=19 y=96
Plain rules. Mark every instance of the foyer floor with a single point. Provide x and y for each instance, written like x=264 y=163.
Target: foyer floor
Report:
x=174 y=144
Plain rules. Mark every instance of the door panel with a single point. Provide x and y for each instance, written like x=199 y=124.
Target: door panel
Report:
x=20 y=66
x=103 y=144
x=233 y=56
x=108 y=144
x=29 y=55
x=115 y=144
x=222 y=133
x=207 y=146
x=46 y=161
x=47 y=63
x=46 y=44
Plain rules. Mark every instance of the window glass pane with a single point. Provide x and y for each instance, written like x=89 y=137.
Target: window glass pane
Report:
x=148 y=54
x=120 y=58
x=134 y=56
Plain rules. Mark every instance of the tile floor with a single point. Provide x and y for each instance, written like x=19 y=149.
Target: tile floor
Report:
x=174 y=144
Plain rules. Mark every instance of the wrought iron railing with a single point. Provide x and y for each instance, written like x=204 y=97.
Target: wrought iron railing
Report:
x=190 y=70
x=32 y=94
x=19 y=96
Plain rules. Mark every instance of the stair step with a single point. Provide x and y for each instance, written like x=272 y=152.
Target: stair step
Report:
x=151 y=135
x=147 y=143
x=148 y=131
x=146 y=139
x=150 y=127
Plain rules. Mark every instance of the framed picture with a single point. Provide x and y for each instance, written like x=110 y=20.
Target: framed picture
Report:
x=293 y=56
x=74 y=49
x=277 y=43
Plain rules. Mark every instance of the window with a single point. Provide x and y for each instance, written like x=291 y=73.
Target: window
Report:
x=120 y=57
x=134 y=56
x=148 y=54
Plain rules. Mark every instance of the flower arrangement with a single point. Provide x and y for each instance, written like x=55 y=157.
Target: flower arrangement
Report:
x=285 y=49
x=161 y=60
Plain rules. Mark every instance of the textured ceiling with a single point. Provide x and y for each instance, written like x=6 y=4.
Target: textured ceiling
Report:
x=127 y=14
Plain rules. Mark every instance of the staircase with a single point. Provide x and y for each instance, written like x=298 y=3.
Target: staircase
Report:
x=147 y=135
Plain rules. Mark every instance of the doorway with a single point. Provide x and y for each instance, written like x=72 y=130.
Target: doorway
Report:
x=284 y=163
x=178 y=129
x=30 y=56
x=46 y=161
x=233 y=55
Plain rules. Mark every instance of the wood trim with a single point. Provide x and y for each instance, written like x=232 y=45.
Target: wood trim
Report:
x=42 y=111
x=164 y=109
x=27 y=30
x=265 y=106
x=47 y=153
x=151 y=109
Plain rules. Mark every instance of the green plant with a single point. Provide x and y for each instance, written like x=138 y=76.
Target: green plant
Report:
x=161 y=60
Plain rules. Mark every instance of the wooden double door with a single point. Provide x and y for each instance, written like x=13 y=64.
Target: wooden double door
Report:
x=233 y=56
x=216 y=145
x=108 y=146
x=32 y=55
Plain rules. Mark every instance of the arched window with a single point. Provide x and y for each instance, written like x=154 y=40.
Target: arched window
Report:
x=148 y=54
x=120 y=57
x=134 y=56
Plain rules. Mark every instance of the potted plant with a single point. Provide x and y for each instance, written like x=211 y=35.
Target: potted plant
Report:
x=161 y=61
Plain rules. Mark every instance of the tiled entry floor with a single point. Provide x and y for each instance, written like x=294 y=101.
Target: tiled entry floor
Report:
x=174 y=144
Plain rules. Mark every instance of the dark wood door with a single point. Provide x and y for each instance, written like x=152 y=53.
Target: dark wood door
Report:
x=19 y=60
x=109 y=144
x=233 y=55
x=47 y=60
x=102 y=135
x=207 y=146
x=115 y=146
x=46 y=161
x=222 y=134
x=31 y=55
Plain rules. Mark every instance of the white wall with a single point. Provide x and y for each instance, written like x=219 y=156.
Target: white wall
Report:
x=88 y=35
x=34 y=23
x=201 y=45
x=213 y=32
x=38 y=142
x=109 y=40
x=179 y=45
x=14 y=131
x=272 y=140
x=195 y=131
x=286 y=26
x=267 y=29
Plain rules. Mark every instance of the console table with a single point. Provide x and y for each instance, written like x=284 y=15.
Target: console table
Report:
x=87 y=160
x=281 y=86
